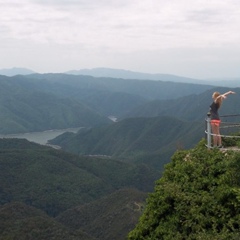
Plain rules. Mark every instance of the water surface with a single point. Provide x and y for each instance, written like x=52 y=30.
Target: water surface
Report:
x=40 y=137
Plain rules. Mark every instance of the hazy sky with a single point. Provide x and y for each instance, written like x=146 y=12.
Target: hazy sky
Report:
x=191 y=38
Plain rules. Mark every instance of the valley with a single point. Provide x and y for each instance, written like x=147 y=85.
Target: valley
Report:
x=116 y=137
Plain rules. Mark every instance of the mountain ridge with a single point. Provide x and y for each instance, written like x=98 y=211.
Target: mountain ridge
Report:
x=48 y=101
x=128 y=74
x=15 y=71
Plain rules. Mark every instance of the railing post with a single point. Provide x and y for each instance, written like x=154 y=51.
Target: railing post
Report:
x=208 y=130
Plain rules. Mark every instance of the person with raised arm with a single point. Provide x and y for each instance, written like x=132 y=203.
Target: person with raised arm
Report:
x=215 y=119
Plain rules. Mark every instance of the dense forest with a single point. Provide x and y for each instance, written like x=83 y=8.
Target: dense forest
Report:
x=198 y=197
x=40 y=184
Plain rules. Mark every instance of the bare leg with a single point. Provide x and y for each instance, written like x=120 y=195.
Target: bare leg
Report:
x=219 y=138
x=216 y=138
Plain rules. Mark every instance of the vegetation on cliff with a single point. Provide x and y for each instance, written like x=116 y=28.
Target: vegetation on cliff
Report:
x=198 y=197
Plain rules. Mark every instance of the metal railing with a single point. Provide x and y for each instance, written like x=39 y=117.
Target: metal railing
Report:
x=227 y=127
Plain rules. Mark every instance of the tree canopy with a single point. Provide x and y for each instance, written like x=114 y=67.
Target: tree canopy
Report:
x=198 y=197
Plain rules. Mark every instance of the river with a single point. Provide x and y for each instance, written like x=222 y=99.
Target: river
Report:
x=40 y=137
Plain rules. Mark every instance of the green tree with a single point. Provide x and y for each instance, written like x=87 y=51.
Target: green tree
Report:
x=198 y=197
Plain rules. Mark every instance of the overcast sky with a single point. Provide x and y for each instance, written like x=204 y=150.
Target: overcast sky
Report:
x=191 y=38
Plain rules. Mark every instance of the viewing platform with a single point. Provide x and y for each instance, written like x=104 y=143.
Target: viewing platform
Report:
x=229 y=132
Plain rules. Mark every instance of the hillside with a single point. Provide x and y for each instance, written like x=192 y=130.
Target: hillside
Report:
x=148 y=140
x=23 y=108
x=19 y=221
x=54 y=181
x=198 y=197
x=112 y=103
x=103 y=219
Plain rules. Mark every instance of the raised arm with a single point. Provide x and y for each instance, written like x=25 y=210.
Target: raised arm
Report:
x=224 y=95
x=227 y=93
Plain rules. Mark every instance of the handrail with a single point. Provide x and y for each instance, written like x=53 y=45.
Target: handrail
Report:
x=221 y=135
x=230 y=115
x=209 y=134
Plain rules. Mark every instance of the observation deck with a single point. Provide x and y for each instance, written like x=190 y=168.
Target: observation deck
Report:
x=229 y=132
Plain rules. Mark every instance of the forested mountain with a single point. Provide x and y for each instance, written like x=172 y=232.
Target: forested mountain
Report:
x=145 y=88
x=198 y=197
x=40 y=111
x=135 y=139
x=23 y=108
x=127 y=74
x=112 y=103
x=115 y=96
x=54 y=181
x=29 y=171
x=45 y=101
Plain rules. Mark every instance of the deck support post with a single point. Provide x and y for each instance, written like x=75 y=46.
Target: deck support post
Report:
x=208 y=130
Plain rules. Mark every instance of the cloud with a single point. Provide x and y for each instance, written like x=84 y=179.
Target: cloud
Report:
x=117 y=23
x=120 y=28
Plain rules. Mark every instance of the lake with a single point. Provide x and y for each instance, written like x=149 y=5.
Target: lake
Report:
x=40 y=137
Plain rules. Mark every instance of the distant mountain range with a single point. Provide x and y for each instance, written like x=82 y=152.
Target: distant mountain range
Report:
x=127 y=74
x=15 y=71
